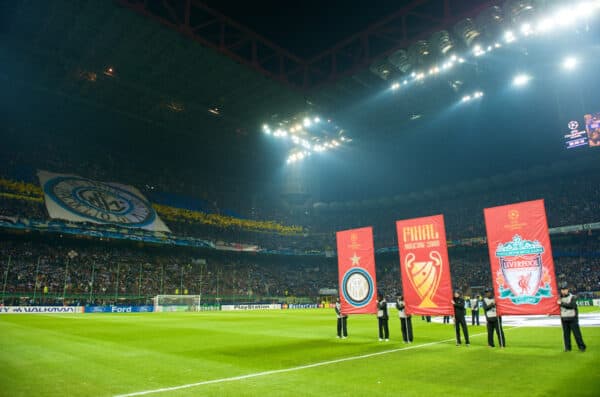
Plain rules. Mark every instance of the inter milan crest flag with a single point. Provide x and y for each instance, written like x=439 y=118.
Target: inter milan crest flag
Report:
x=77 y=199
x=521 y=259
x=356 y=267
x=424 y=266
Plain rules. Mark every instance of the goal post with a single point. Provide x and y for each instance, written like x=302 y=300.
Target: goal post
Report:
x=177 y=303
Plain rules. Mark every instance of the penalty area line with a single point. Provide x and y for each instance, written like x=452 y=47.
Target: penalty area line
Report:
x=291 y=369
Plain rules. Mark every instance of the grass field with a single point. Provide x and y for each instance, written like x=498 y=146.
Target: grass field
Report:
x=106 y=354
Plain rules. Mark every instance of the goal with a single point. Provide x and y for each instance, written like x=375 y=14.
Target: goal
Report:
x=176 y=303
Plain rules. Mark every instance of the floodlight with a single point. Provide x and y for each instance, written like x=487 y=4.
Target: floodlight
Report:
x=521 y=79
x=467 y=31
x=381 y=68
x=518 y=11
x=419 y=53
x=395 y=86
x=306 y=122
x=569 y=63
x=317 y=120
x=490 y=21
x=466 y=98
x=442 y=42
x=400 y=60
x=509 y=36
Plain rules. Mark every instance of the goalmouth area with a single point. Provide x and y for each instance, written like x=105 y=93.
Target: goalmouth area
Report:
x=285 y=353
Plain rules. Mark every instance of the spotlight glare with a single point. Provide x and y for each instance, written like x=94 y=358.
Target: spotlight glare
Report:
x=478 y=51
x=466 y=98
x=569 y=63
x=521 y=80
x=544 y=25
x=307 y=122
x=509 y=37
x=395 y=86
x=317 y=120
x=526 y=29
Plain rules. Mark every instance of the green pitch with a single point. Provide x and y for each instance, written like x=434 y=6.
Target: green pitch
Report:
x=106 y=354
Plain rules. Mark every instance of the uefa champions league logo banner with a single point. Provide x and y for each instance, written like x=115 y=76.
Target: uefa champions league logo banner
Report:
x=356 y=268
x=77 y=199
x=521 y=259
x=424 y=266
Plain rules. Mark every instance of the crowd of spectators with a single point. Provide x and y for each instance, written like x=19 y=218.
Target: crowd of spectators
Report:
x=91 y=272
x=94 y=272
x=569 y=201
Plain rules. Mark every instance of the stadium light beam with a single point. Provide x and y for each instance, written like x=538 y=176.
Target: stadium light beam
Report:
x=521 y=80
x=569 y=63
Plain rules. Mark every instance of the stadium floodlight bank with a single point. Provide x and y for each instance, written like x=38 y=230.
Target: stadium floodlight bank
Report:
x=181 y=303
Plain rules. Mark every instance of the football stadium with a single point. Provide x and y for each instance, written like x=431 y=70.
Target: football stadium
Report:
x=324 y=198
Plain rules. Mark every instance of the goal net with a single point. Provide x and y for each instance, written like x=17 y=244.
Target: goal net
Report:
x=177 y=303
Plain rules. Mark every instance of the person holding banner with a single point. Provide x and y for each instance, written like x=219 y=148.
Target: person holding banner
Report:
x=382 y=318
x=494 y=322
x=342 y=320
x=459 y=317
x=405 y=320
x=569 y=318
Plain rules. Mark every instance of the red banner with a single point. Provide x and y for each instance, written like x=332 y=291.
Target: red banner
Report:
x=424 y=266
x=356 y=269
x=521 y=259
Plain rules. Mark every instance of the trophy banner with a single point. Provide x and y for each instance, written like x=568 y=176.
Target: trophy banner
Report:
x=424 y=266
x=356 y=271
x=521 y=259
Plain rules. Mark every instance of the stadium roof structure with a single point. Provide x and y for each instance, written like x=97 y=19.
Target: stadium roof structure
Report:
x=189 y=68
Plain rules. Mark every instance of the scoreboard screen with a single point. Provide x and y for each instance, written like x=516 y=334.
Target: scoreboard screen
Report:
x=592 y=127
x=586 y=135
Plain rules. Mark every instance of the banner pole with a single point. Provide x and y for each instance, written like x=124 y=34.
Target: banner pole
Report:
x=5 y=279
x=66 y=275
x=92 y=283
x=500 y=331
x=117 y=283
x=37 y=270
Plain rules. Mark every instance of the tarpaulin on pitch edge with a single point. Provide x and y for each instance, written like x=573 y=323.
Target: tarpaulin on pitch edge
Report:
x=521 y=259
x=424 y=266
x=356 y=271
x=76 y=199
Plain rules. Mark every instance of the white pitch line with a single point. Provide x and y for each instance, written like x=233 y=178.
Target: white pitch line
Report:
x=279 y=371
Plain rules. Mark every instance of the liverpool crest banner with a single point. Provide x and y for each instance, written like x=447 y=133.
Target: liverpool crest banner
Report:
x=424 y=266
x=521 y=259
x=76 y=199
x=356 y=268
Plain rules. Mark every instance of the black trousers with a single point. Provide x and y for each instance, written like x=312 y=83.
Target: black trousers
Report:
x=461 y=322
x=475 y=317
x=495 y=324
x=571 y=325
x=384 y=330
x=446 y=320
x=406 y=327
x=342 y=329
